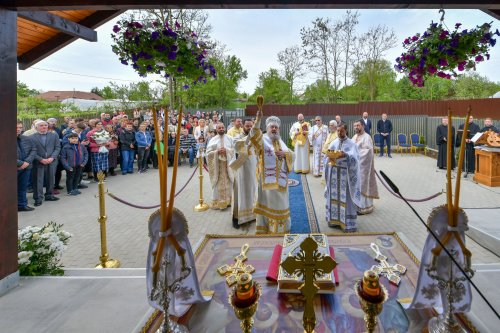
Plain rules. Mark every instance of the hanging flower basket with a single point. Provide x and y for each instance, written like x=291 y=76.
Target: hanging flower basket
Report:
x=441 y=52
x=157 y=48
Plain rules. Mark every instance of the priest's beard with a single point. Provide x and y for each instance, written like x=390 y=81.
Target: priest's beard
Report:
x=274 y=137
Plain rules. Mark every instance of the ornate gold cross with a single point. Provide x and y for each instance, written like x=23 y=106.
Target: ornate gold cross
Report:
x=232 y=272
x=392 y=272
x=310 y=264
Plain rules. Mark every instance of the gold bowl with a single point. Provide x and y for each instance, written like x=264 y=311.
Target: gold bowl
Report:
x=332 y=156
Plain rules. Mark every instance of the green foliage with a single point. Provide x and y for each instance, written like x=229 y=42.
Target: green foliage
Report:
x=318 y=92
x=473 y=85
x=273 y=87
x=24 y=91
x=375 y=81
x=40 y=249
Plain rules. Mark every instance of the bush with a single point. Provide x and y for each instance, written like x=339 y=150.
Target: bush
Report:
x=40 y=249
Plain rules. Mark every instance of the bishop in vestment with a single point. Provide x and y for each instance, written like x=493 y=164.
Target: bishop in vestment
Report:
x=299 y=135
x=219 y=153
x=368 y=182
x=343 y=192
x=442 y=143
x=244 y=165
x=274 y=163
x=317 y=138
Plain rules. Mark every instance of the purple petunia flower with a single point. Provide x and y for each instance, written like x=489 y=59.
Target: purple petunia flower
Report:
x=180 y=69
x=454 y=43
x=441 y=74
x=479 y=58
x=464 y=32
x=155 y=35
x=493 y=41
x=116 y=29
x=177 y=25
x=174 y=48
x=414 y=38
x=160 y=47
x=149 y=68
x=135 y=66
x=185 y=86
x=431 y=69
x=487 y=56
x=461 y=65
x=440 y=47
x=458 y=25
x=123 y=61
x=421 y=63
x=172 y=55
x=442 y=62
x=425 y=51
x=136 y=40
x=138 y=25
x=406 y=41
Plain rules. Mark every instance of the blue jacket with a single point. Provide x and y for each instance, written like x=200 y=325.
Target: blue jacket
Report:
x=69 y=155
x=143 y=139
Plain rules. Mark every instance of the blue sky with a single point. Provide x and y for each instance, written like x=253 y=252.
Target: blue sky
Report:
x=255 y=36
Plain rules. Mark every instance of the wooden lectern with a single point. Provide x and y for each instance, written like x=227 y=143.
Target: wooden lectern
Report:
x=487 y=167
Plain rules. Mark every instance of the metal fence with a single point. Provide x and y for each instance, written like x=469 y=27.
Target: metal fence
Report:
x=422 y=125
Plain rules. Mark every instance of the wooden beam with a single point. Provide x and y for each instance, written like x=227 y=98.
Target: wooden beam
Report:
x=493 y=12
x=8 y=178
x=63 y=25
x=243 y=4
x=61 y=40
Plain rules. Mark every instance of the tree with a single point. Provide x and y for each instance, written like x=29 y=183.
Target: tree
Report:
x=435 y=88
x=96 y=91
x=317 y=92
x=348 y=39
x=293 y=64
x=323 y=51
x=473 y=85
x=372 y=47
x=272 y=86
x=381 y=86
x=24 y=91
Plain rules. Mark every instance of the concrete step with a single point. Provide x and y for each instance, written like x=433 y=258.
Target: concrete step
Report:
x=484 y=228
x=108 y=272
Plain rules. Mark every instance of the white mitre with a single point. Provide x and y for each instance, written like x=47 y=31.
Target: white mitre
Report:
x=273 y=120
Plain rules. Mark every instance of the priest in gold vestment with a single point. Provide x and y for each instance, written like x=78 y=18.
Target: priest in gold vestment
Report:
x=332 y=135
x=219 y=152
x=272 y=208
x=299 y=133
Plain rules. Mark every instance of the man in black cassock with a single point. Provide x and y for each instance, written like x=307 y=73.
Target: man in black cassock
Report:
x=469 y=160
x=488 y=126
x=442 y=143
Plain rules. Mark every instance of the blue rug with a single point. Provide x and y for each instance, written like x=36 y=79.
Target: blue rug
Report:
x=302 y=212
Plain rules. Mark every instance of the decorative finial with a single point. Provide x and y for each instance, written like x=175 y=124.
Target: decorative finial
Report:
x=260 y=102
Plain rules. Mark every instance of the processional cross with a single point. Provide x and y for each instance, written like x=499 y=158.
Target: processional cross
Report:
x=232 y=272
x=310 y=264
x=392 y=272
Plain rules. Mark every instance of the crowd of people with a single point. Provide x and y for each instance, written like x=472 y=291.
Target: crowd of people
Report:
x=81 y=148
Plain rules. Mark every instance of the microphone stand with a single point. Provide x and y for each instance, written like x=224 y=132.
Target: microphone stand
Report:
x=466 y=275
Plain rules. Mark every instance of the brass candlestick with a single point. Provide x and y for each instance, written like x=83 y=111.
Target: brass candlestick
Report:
x=244 y=298
x=104 y=258
x=201 y=207
x=372 y=296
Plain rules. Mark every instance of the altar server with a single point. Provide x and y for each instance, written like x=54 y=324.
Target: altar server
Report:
x=343 y=192
x=368 y=181
x=299 y=135
x=219 y=153
x=317 y=138
x=274 y=163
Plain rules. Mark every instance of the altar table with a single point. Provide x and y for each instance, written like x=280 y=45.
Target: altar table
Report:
x=338 y=312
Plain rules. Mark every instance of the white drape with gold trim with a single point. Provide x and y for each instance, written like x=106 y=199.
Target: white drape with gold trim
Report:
x=317 y=138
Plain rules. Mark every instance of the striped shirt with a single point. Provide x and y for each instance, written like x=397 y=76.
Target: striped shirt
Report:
x=187 y=141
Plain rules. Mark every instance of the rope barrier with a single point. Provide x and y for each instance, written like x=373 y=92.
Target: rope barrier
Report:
x=411 y=200
x=154 y=206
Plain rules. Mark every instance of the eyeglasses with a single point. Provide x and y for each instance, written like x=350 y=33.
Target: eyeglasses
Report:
x=317 y=120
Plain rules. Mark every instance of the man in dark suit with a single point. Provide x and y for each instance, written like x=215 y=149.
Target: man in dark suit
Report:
x=25 y=155
x=368 y=123
x=384 y=127
x=47 y=147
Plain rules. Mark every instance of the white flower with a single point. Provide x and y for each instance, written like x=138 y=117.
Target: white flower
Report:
x=36 y=236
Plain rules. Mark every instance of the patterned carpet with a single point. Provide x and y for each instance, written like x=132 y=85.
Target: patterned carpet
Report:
x=302 y=211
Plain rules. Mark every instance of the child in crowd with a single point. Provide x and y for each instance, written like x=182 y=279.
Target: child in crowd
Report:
x=143 y=139
x=74 y=156
x=127 y=147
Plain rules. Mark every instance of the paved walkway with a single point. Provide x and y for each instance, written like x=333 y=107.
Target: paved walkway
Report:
x=416 y=176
